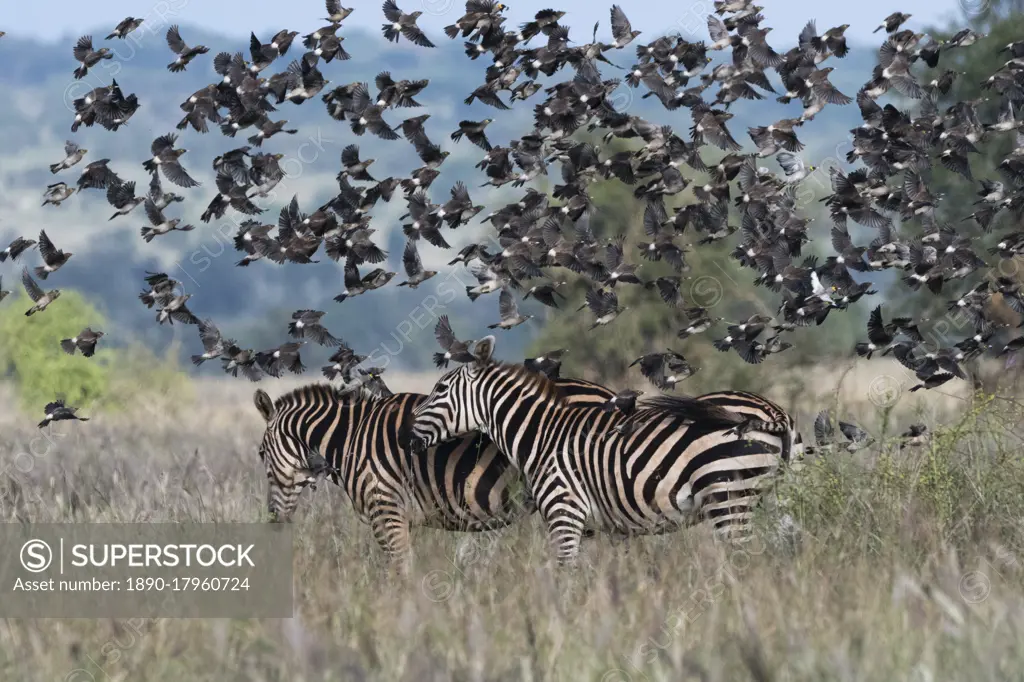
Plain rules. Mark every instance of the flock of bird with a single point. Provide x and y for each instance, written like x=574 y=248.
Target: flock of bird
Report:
x=535 y=235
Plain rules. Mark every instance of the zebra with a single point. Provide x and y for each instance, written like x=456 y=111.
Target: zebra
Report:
x=680 y=461
x=464 y=484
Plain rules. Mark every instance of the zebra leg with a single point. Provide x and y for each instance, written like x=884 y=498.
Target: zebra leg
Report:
x=565 y=518
x=391 y=530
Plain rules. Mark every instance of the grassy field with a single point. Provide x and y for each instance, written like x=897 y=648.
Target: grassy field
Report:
x=879 y=565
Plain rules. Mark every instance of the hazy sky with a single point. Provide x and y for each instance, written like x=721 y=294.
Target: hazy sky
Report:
x=54 y=19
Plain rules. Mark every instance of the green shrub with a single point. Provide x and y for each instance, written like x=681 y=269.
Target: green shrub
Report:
x=31 y=356
x=119 y=376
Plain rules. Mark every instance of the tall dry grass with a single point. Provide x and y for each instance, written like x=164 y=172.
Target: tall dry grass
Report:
x=878 y=565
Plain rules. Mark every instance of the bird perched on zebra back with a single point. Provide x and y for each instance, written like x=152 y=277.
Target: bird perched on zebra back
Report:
x=58 y=410
x=549 y=364
x=623 y=401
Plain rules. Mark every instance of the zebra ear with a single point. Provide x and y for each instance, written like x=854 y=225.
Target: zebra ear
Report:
x=264 y=404
x=483 y=350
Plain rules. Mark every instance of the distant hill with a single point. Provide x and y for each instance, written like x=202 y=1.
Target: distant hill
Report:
x=254 y=303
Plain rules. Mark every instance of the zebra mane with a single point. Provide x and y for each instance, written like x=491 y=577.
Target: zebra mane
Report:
x=546 y=388
x=317 y=392
x=692 y=409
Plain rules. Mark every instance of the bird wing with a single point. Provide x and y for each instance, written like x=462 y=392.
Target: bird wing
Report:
x=31 y=288
x=443 y=333
x=599 y=302
x=350 y=155
x=391 y=11
x=154 y=214
x=163 y=143
x=209 y=334
x=876 y=328
x=823 y=431
x=716 y=28
x=82 y=48
x=613 y=255
x=791 y=163
x=178 y=175
x=507 y=307
x=411 y=259
x=460 y=194
x=174 y=40
x=853 y=432
x=621 y=27
x=47 y=250
x=352 y=278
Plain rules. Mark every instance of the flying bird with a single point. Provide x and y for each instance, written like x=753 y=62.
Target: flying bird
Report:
x=185 y=53
x=404 y=24
x=59 y=411
x=40 y=299
x=85 y=342
x=124 y=27
x=72 y=155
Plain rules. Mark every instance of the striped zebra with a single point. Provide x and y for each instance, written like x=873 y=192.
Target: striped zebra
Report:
x=464 y=484
x=682 y=460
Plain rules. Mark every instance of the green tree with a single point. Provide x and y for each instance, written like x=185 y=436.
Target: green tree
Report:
x=31 y=355
x=120 y=376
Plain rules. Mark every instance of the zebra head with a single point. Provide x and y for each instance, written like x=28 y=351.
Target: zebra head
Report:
x=289 y=461
x=450 y=410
